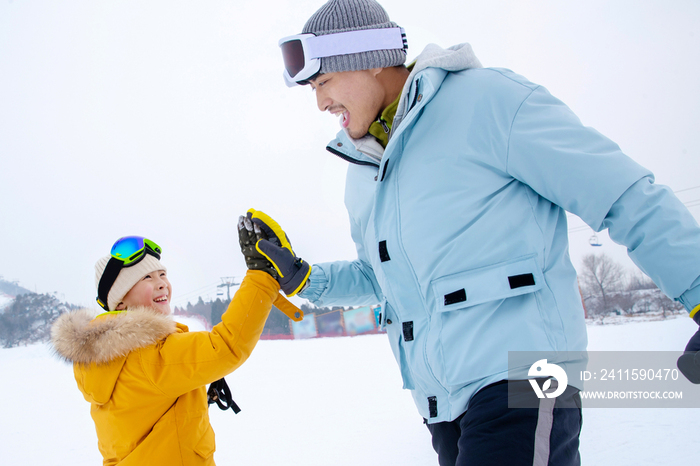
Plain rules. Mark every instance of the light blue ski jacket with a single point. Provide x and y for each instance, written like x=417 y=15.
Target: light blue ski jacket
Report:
x=461 y=230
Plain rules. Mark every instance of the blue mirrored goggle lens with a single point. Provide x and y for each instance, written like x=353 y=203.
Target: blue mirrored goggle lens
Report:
x=127 y=247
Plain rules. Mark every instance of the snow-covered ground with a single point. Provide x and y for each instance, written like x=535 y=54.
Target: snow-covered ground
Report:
x=334 y=401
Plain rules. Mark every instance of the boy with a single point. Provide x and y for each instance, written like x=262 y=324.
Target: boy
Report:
x=144 y=374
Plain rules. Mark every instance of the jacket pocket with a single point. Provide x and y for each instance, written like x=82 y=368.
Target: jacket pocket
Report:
x=475 y=314
x=206 y=446
x=500 y=281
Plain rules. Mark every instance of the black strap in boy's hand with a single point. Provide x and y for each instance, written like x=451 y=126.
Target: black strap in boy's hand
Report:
x=689 y=362
x=220 y=394
x=292 y=271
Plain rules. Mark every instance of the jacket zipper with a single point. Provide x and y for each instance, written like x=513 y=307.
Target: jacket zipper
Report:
x=350 y=159
x=385 y=127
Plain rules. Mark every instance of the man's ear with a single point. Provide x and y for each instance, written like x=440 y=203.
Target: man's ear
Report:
x=120 y=307
x=375 y=71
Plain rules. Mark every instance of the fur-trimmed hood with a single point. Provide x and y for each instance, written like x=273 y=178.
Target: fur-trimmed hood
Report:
x=82 y=337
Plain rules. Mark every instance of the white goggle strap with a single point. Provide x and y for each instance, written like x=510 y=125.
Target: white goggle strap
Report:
x=345 y=43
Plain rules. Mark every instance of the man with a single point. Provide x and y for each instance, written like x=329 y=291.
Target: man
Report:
x=457 y=187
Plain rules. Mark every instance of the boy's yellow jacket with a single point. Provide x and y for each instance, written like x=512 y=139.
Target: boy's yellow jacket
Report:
x=145 y=376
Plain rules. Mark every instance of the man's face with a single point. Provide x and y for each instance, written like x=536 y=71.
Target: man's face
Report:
x=153 y=290
x=355 y=96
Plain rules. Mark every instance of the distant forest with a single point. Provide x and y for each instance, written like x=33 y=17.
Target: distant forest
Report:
x=277 y=323
x=11 y=288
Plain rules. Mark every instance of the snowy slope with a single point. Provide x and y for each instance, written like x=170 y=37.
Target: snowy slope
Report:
x=325 y=402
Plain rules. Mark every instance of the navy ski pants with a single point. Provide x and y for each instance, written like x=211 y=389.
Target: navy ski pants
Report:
x=490 y=433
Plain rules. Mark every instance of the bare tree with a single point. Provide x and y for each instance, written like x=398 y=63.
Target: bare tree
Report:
x=667 y=305
x=623 y=300
x=600 y=279
x=639 y=281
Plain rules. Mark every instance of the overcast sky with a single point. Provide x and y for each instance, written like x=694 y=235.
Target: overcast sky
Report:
x=168 y=119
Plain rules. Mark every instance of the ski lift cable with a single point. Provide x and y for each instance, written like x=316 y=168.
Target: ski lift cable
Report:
x=198 y=289
x=180 y=301
x=579 y=228
x=186 y=296
x=686 y=189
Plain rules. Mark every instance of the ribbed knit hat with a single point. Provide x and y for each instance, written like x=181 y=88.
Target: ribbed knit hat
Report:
x=353 y=15
x=127 y=278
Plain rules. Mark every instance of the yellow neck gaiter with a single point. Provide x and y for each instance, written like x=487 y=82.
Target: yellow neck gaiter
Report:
x=380 y=129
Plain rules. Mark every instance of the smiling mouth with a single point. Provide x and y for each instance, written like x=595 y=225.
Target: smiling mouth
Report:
x=162 y=299
x=342 y=113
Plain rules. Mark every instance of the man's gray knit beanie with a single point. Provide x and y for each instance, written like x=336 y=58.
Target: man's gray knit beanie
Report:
x=352 y=15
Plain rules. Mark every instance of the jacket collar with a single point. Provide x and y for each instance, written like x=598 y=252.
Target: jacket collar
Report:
x=430 y=69
x=79 y=337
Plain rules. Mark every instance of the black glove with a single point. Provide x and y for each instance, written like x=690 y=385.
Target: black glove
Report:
x=248 y=236
x=694 y=343
x=689 y=362
x=292 y=271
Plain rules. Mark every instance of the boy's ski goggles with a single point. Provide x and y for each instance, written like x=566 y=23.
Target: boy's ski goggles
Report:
x=302 y=53
x=127 y=251
x=131 y=249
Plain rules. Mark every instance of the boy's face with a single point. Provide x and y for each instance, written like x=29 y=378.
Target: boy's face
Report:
x=355 y=96
x=153 y=290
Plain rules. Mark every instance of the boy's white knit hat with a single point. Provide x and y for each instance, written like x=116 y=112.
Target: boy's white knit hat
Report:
x=127 y=278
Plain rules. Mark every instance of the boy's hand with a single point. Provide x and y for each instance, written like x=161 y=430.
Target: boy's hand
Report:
x=248 y=236
x=292 y=271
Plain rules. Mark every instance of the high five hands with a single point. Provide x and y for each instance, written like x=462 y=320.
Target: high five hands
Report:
x=266 y=247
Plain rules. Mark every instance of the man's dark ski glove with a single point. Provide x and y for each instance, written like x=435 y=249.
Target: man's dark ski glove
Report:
x=292 y=271
x=689 y=362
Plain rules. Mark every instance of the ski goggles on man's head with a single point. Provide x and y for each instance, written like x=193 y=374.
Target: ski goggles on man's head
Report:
x=302 y=53
x=126 y=251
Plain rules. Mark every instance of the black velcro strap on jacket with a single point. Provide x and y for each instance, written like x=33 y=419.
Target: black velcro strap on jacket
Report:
x=384 y=170
x=408 y=331
x=458 y=296
x=518 y=281
x=383 y=253
x=432 y=406
x=109 y=276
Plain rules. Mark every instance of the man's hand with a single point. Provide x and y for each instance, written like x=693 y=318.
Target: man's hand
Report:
x=689 y=363
x=274 y=245
x=694 y=343
x=248 y=235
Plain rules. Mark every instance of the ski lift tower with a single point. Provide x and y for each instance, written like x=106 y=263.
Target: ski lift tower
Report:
x=228 y=282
